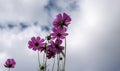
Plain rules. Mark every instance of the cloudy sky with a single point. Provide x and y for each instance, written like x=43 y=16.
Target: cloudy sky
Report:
x=93 y=43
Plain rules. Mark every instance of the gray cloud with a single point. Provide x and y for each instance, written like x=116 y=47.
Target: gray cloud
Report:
x=94 y=34
x=97 y=38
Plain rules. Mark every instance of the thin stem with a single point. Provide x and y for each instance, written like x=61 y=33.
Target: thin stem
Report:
x=53 y=65
x=39 y=59
x=45 y=62
x=65 y=56
x=60 y=67
x=8 y=69
x=58 y=62
x=44 y=58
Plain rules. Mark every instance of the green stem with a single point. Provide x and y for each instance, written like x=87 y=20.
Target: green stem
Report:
x=39 y=60
x=8 y=69
x=44 y=58
x=53 y=65
x=58 y=62
x=65 y=56
x=45 y=62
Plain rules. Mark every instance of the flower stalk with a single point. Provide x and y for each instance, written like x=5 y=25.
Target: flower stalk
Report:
x=64 y=56
x=8 y=69
x=58 y=62
x=39 y=60
x=53 y=65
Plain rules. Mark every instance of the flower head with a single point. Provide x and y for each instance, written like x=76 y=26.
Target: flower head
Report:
x=62 y=20
x=56 y=46
x=44 y=48
x=59 y=33
x=50 y=53
x=36 y=43
x=48 y=37
x=10 y=63
x=42 y=68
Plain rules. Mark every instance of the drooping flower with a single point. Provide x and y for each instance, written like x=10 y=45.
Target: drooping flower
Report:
x=42 y=68
x=62 y=20
x=36 y=43
x=44 y=48
x=60 y=58
x=59 y=33
x=10 y=63
x=48 y=37
x=56 y=46
x=50 y=54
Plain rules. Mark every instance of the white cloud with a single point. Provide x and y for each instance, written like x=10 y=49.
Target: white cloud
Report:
x=93 y=41
x=22 y=10
x=94 y=38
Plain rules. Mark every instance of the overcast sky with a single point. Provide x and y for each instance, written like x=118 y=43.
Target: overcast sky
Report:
x=93 y=43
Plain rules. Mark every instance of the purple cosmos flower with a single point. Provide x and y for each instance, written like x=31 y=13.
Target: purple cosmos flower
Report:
x=36 y=43
x=50 y=53
x=59 y=33
x=10 y=63
x=56 y=46
x=44 y=48
x=62 y=20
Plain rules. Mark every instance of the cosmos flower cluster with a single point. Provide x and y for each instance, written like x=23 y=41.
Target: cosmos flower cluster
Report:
x=53 y=46
x=50 y=46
